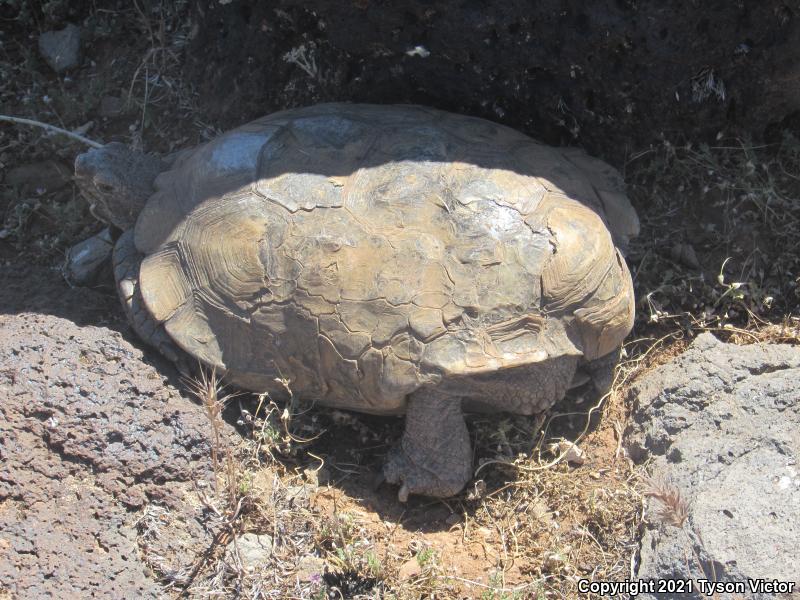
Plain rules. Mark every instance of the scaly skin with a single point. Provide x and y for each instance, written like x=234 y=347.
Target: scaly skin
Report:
x=434 y=457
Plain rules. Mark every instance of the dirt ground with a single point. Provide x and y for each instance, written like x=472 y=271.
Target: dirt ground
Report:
x=719 y=251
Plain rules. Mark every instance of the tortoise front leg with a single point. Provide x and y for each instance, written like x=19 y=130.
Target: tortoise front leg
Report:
x=434 y=456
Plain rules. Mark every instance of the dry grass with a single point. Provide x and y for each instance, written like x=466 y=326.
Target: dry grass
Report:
x=210 y=391
x=673 y=509
x=531 y=526
x=736 y=207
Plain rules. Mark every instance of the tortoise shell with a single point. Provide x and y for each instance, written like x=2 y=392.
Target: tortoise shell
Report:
x=361 y=252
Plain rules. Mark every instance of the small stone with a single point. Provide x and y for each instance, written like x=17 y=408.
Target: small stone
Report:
x=317 y=477
x=453 y=519
x=299 y=495
x=61 y=49
x=310 y=568
x=685 y=254
x=86 y=259
x=254 y=550
x=571 y=452
x=553 y=561
x=409 y=569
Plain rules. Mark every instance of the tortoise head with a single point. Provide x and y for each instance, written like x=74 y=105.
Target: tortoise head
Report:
x=117 y=182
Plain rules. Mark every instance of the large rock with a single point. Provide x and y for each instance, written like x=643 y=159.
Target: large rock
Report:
x=722 y=423
x=99 y=454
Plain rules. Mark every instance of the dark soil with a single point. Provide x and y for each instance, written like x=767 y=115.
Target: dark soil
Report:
x=612 y=76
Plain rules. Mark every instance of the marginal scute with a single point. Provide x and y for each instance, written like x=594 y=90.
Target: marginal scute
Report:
x=582 y=254
x=400 y=377
x=612 y=202
x=608 y=317
x=192 y=332
x=350 y=344
x=339 y=376
x=446 y=353
x=362 y=252
x=162 y=278
x=406 y=347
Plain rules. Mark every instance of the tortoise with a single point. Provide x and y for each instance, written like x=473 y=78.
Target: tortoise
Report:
x=388 y=259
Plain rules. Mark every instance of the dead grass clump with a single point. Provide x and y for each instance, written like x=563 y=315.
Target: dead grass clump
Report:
x=230 y=491
x=673 y=507
x=210 y=391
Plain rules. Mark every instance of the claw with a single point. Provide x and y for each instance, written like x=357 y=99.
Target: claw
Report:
x=402 y=495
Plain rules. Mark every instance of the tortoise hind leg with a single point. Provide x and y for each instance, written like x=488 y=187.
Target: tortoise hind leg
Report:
x=126 y=272
x=601 y=371
x=434 y=456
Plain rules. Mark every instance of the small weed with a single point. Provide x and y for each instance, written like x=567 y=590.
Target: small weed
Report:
x=497 y=590
x=426 y=557
x=374 y=565
x=673 y=509
x=211 y=393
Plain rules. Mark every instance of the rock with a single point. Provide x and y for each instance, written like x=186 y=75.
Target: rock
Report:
x=317 y=476
x=310 y=568
x=61 y=49
x=570 y=451
x=39 y=178
x=85 y=260
x=254 y=550
x=409 y=569
x=299 y=495
x=99 y=456
x=685 y=254
x=720 y=424
x=453 y=519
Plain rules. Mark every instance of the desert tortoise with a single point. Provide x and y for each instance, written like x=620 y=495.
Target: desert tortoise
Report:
x=384 y=259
